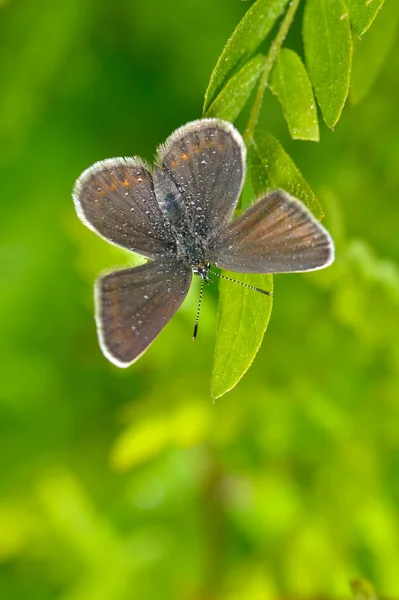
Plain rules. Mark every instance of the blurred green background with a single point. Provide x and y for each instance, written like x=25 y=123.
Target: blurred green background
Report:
x=124 y=484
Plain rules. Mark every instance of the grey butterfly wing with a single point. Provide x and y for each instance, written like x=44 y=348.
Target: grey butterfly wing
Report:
x=205 y=160
x=278 y=234
x=134 y=305
x=116 y=199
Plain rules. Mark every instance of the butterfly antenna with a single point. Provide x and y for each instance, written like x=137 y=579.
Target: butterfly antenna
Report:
x=251 y=287
x=198 y=310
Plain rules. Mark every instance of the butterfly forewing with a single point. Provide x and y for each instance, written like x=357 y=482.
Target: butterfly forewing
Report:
x=278 y=234
x=116 y=199
x=134 y=305
x=206 y=161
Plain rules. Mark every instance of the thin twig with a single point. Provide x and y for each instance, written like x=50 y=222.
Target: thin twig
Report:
x=269 y=62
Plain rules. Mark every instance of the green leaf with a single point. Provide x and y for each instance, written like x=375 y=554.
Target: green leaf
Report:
x=328 y=52
x=362 y=13
x=140 y=442
x=371 y=51
x=272 y=168
x=231 y=100
x=290 y=83
x=248 y=35
x=148 y=437
x=242 y=321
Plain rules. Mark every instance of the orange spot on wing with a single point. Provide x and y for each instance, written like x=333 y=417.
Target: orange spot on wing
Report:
x=184 y=156
x=174 y=163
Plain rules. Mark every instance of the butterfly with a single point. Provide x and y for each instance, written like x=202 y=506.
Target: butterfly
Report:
x=178 y=214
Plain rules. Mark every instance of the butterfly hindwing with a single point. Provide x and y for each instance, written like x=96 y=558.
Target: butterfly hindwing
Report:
x=134 y=305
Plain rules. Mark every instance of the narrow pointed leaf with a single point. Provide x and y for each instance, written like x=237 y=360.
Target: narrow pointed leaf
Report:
x=231 y=100
x=328 y=52
x=371 y=51
x=271 y=168
x=362 y=13
x=246 y=38
x=290 y=83
x=242 y=321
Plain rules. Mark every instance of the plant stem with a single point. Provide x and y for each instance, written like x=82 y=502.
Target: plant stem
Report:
x=269 y=62
x=213 y=527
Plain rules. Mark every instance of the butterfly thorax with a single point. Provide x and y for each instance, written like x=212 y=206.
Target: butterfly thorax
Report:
x=184 y=227
x=189 y=245
x=189 y=249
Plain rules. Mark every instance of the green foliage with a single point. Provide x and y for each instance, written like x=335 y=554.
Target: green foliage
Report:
x=242 y=322
x=290 y=83
x=130 y=484
x=247 y=37
x=362 y=14
x=272 y=168
x=371 y=51
x=328 y=51
x=233 y=97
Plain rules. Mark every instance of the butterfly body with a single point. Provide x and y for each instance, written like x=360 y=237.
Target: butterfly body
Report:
x=179 y=215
